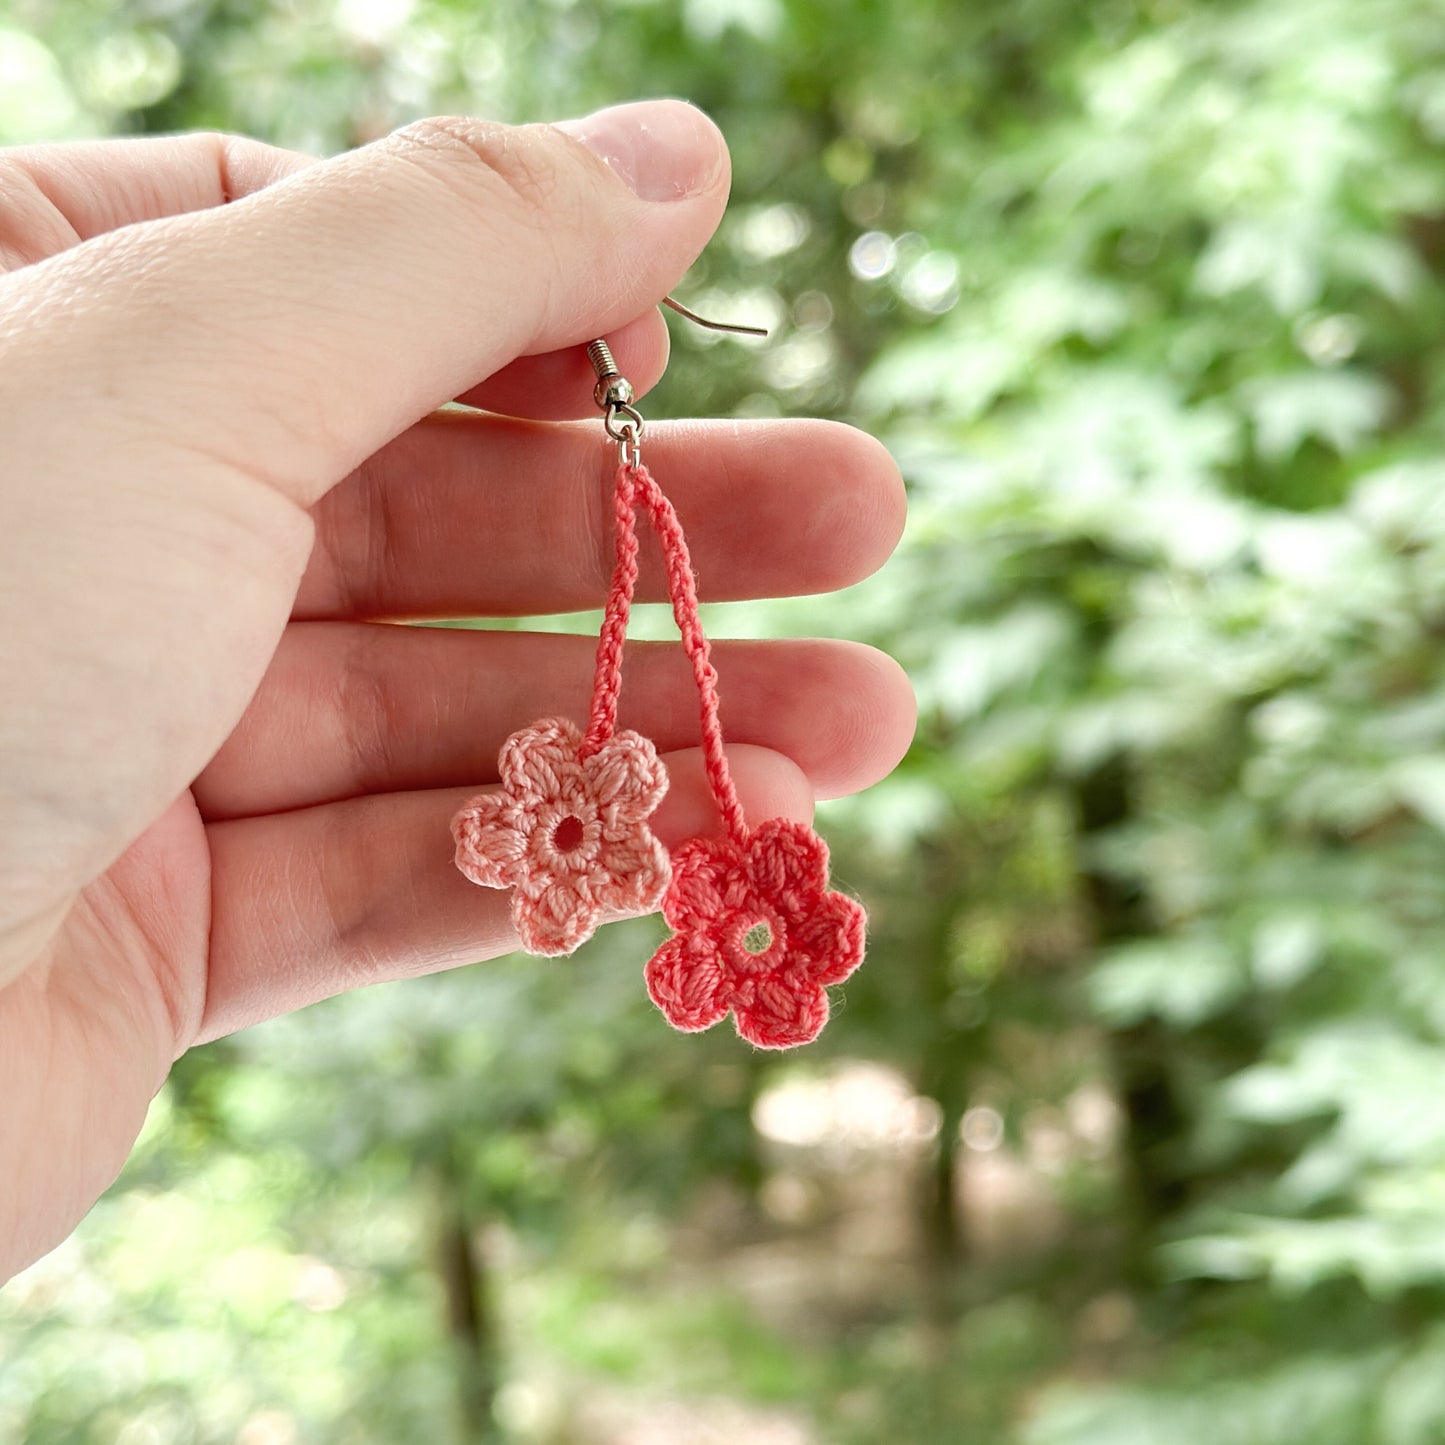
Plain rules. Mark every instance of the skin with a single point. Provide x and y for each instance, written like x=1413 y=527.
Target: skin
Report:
x=226 y=774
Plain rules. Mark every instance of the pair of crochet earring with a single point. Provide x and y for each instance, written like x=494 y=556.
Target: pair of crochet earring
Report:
x=756 y=930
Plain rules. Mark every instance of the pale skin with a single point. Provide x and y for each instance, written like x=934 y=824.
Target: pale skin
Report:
x=226 y=775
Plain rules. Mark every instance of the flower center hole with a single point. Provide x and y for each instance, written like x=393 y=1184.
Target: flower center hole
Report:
x=758 y=939
x=567 y=835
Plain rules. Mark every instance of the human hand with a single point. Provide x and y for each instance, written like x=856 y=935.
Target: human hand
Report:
x=225 y=775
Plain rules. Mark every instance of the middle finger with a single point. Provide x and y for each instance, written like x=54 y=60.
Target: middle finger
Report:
x=353 y=709
x=469 y=515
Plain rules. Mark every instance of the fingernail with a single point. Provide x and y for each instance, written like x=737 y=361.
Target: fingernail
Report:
x=664 y=150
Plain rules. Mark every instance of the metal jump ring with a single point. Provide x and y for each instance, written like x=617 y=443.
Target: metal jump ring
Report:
x=623 y=422
x=613 y=392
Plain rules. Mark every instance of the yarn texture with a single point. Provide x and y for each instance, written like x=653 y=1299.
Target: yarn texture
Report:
x=758 y=934
x=568 y=832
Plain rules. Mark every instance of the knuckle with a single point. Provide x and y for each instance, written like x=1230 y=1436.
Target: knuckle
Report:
x=468 y=153
x=367 y=707
x=220 y=143
x=228 y=154
x=31 y=226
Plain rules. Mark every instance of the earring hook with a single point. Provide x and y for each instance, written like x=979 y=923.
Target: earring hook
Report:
x=613 y=392
x=713 y=325
x=613 y=389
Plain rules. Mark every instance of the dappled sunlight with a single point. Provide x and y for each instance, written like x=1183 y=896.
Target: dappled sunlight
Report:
x=856 y=1107
x=702 y=1422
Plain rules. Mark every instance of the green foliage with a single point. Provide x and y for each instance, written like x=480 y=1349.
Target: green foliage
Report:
x=1145 y=296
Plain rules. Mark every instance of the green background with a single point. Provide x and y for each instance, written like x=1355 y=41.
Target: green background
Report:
x=1133 y=1128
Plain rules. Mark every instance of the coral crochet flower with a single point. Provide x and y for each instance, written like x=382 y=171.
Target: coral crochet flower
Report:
x=569 y=833
x=758 y=934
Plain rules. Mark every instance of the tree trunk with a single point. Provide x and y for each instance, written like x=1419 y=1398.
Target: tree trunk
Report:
x=1153 y=1116
x=944 y=1075
x=470 y=1318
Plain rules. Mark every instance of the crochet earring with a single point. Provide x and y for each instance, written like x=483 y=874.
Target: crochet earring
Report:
x=757 y=932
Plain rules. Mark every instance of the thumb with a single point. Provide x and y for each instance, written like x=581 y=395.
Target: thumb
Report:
x=294 y=331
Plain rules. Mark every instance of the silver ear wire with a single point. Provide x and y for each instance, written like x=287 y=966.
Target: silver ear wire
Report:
x=713 y=325
x=613 y=392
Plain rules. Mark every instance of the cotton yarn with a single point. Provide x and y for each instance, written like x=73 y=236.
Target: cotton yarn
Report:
x=757 y=932
x=568 y=832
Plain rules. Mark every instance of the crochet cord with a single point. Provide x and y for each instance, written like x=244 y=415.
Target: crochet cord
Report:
x=682 y=588
x=607 y=674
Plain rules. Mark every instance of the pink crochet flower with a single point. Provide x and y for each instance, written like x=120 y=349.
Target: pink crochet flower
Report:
x=758 y=933
x=568 y=833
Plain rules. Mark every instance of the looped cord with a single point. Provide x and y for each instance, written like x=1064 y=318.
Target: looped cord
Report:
x=607 y=674
x=635 y=484
x=682 y=589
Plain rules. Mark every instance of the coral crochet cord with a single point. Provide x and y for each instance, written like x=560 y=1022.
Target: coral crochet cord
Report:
x=756 y=930
x=568 y=831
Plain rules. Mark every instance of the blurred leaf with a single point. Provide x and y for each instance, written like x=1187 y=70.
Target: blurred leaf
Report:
x=1183 y=981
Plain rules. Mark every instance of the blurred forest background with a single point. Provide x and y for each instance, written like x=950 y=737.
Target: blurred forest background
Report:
x=1133 y=1129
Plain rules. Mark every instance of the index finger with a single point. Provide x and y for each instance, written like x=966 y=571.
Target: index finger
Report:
x=56 y=196
x=469 y=515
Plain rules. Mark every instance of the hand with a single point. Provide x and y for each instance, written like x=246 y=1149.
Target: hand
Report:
x=225 y=780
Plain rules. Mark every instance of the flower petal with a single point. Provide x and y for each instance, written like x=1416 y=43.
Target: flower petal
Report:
x=685 y=980
x=706 y=874
x=825 y=943
x=786 y=862
x=489 y=847
x=536 y=761
x=554 y=916
x=626 y=776
x=632 y=871
x=783 y=1013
